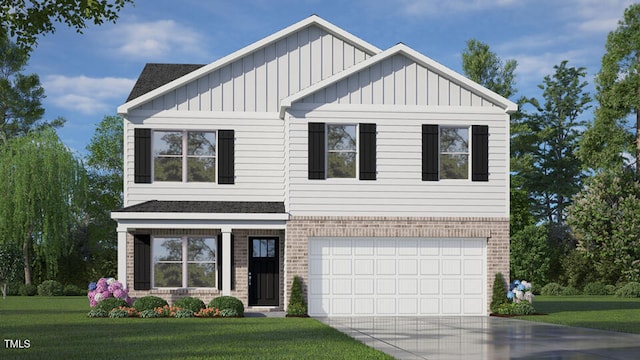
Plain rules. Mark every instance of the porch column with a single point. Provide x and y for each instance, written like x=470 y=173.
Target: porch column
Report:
x=122 y=257
x=226 y=261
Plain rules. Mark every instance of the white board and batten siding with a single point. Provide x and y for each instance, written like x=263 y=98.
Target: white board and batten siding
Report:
x=258 y=81
x=259 y=161
x=398 y=95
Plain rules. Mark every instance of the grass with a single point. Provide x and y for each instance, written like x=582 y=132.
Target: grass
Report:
x=58 y=327
x=597 y=312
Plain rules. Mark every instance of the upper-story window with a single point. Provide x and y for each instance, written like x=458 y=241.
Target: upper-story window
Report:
x=454 y=152
x=184 y=156
x=341 y=151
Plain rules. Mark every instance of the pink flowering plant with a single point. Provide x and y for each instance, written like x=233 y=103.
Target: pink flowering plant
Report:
x=107 y=288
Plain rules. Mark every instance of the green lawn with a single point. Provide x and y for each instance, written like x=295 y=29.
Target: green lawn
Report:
x=598 y=312
x=58 y=327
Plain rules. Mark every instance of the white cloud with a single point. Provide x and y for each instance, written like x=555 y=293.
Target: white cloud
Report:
x=157 y=40
x=87 y=95
x=433 y=7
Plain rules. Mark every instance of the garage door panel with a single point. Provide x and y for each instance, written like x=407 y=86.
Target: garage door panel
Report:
x=342 y=287
x=341 y=267
x=451 y=286
x=429 y=267
x=341 y=246
x=386 y=267
x=397 y=276
x=451 y=267
x=429 y=286
x=364 y=286
x=319 y=286
x=473 y=286
x=408 y=267
x=408 y=306
x=473 y=267
x=386 y=286
x=386 y=306
x=363 y=266
x=408 y=286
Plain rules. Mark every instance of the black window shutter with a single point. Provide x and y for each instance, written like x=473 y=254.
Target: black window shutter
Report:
x=219 y=261
x=367 y=151
x=233 y=268
x=142 y=262
x=316 y=151
x=430 y=153
x=226 y=157
x=142 y=156
x=480 y=153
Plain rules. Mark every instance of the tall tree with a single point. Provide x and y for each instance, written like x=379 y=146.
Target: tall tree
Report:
x=605 y=216
x=41 y=194
x=483 y=66
x=27 y=20
x=618 y=92
x=105 y=191
x=20 y=95
x=555 y=128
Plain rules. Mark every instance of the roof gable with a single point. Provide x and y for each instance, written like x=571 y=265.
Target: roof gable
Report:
x=154 y=76
x=399 y=76
x=232 y=66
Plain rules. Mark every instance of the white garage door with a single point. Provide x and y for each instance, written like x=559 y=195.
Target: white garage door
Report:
x=396 y=276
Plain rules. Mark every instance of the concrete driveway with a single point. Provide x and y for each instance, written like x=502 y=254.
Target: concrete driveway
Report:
x=485 y=338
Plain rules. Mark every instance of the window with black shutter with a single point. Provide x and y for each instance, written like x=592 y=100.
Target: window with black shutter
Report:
x=142 y=156
x=480 y=153
x=367 y=151
x=317 y=151
x=141 y=262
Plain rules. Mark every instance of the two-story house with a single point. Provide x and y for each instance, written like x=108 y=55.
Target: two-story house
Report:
x=381 y=177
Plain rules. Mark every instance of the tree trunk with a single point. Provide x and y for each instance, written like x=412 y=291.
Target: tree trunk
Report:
x=637 y=144
x=4 y=291
x=25 y=253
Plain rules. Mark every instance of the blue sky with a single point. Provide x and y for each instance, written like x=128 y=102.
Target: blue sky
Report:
x=86 y=76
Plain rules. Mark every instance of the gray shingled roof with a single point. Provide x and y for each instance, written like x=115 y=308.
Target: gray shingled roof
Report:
x=155 y=75
x=228 y=207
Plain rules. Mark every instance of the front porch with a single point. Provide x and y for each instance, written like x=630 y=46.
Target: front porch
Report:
x=246 y=250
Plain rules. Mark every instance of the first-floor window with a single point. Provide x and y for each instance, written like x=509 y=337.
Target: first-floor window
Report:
x=454 y=152
x=184 y=262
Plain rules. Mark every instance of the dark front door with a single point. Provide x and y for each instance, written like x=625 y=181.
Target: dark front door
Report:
x=264 y=274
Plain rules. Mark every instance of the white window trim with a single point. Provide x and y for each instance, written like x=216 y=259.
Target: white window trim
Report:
x=184 y=156
x=356 y=151
x=184 y=262
x=468 y=153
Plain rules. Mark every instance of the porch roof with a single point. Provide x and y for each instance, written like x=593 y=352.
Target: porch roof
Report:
x=216 y=207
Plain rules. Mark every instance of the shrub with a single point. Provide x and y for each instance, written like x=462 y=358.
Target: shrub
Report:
x=111 y=303
x=184 y=313
x=228 y=302
x=50 y=288
x=209 y=312
x=118 y=313
x=73 y=290
x=629 y=290
x=595 y=288
x=523 y=308
x=149 y=313
x=611 y=289
x=149 y=303
x=191 y=303
x=228 y=313
x=504 y=309
x=28 y=290
x=106 y=288
x=297 y=305
x=570 y=291
x=97 y=313
x=551 y=289
x=499 y=296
